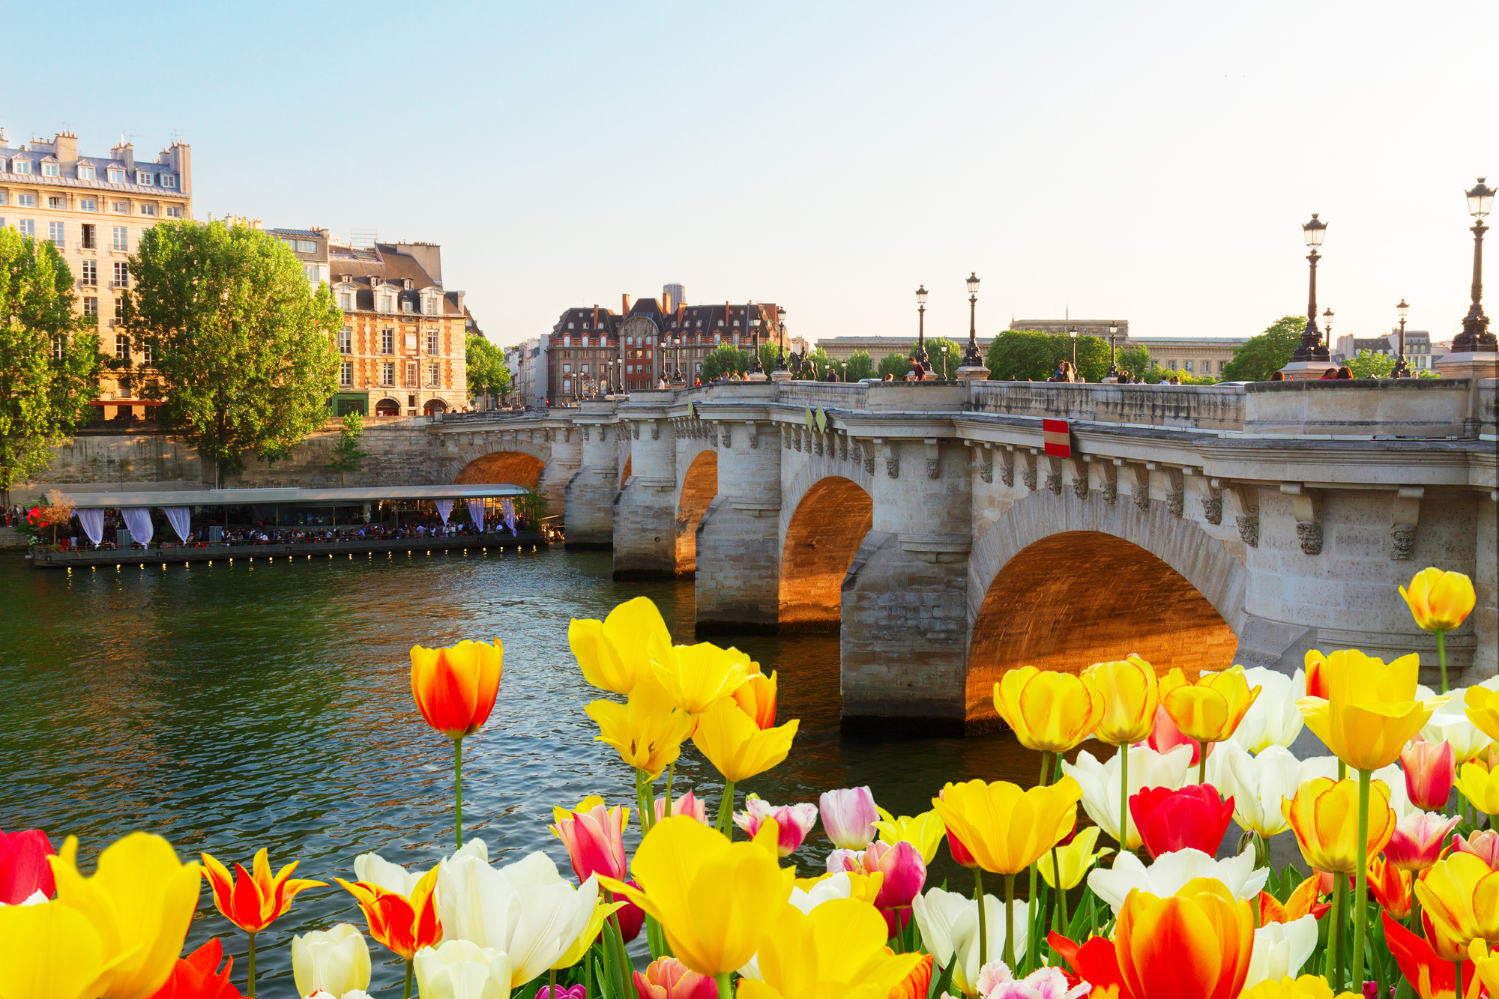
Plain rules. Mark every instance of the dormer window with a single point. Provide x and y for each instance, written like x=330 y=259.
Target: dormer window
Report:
x=406 y=284
x=85 y=172
x=143 y=178
x=51 y=169
x=116 y=175
x=19 y=165
x=387 y=303
x=569 y=325
x=406 y=305
x=429 y=305
x=168 y=180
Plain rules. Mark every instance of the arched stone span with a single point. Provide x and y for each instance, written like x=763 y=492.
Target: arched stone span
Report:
x=699 y=486
x=826 y=528
x=515 y=467
x=1058 y=583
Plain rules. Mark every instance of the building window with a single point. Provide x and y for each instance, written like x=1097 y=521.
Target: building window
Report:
x=567 y=369
x=20 y=166
x=26 y=200
x=174 y=211
x=388 y=373
x=306 y=246
x=309 y=271
x=59 y=344
x=143 y=178
x=91 y=307
x=58 y=203
x=57 y=232
x=387 y=304
x=346 y=341
x=122 y=274
x=120 y=240
x=148 y=209
x=90 y=272
x=85 y=172
x=567 y=385
x=406 y=306
x=346 y=373
x=411 y=375
x=51 y=170
x=429 y=306
x=116 y=175
x=88 y=205
x=122 y=347
x=1186 y=365
x=168 y=180
x=434 y=375
x=346 y=301
x=387 y=341
x=3 y=195
x=120 y=207
x=27 y=227
x=432 y=342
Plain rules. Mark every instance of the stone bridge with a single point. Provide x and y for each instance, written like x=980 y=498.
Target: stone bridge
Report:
x=1196 y=525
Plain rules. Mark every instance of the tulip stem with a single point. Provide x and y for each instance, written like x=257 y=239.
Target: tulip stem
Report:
x=1335 y=928
x=978 y=882
x=1415 y=904
x=671 y=774
x=406 y=989
x=1202 y=763
x=1361 y=886
x=251 y=990
x=725 y=987
x=1442 y=657
x=726 y=810
x=1056 y=874
x=1123 y=796
x=1009 y=925
x=458 y=786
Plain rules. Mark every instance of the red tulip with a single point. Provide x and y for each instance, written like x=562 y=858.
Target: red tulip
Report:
x=1095 y=962
x=1428 y=974
x=1417 y=842
x=1174 y=820
x=595 y=841
x=1484 y=845
x=1430 y=771
x=23 y=866
x=197 y=976
x=1166 y=737
x=631 y=917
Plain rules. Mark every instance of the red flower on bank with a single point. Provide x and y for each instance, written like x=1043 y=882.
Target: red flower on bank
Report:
x=1174 y=820
x=197 y=976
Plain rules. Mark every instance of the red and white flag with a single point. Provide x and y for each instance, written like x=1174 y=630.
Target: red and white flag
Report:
x=1058 y=438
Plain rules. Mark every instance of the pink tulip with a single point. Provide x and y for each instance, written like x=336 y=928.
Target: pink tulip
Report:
x=1166 y=737
x=595 y=841
x=668 y=978
x=23 y=866
x=687 y=804
x=904 y=876
x=1484 y=845
x=793 y=821
x=848 y=817
x=1430 y=770
x=1417 y=843
x=558 y=992
x=996 y=982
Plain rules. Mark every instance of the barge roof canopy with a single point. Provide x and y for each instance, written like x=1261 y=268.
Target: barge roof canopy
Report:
x=272 y=497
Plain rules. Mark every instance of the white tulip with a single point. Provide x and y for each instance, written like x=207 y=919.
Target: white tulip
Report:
x=1450 y=723
x=1171 y=871
x=335 y=960
x=351 y=994
x=1273 y=719
x=1392 y=775
x=460 y=969
x=524 y=910
x=1280 y=949
x=837 y=886
x=1257 y=784
x=1100 y=783
x=949 y=924
x=371 y=868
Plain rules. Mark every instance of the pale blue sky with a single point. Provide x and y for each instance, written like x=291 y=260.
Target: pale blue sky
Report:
x=1148 y=161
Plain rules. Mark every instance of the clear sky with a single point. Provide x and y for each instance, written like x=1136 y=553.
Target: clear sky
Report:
x=1145 y=161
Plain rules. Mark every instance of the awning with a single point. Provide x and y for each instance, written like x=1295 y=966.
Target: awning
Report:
x=271 y=497
x=126 y=402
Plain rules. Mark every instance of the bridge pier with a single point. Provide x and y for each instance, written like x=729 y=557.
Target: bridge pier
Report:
x=737 y=582
x=590 y=494
x=644 y=521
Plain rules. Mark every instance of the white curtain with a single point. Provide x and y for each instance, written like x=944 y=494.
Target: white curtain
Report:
x=180 y=517
x=444 y=508
x=507 y=510
x=476 y=511
x=92 y=522
x=138 y=519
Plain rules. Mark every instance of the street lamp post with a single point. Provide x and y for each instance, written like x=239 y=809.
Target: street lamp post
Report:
x=1327 y=330
x=1475 y=336
x=1311 y=347
x=920 y=354
x=1401 y=370
x=944 y=360
x=781 y=346
x=971 y=358
x=1072 y=335
x=1113 y=367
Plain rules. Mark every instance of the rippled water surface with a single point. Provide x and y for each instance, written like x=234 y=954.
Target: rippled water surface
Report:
x=268 y=704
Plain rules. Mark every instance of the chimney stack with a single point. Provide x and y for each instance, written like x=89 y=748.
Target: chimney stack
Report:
x=625 y=307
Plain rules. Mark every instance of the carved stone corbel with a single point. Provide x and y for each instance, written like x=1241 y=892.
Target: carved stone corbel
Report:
x=1080 y=478
x=933 y=457
x=1007 y=467
x=1306 y=507
x=786 y=437
x=635 y=431
x=1054 y=476
x=587 y=433
x=868 y=460
x=1110 y=473
x=817 y=445
x=754 y=435
x=1406 y=512
x=713 y=434
x=726 y=434
x=1212 y=503
x=798 y=439
x=843 y=447
x=892 y=458
x=655 y=431
x=1028 y=473
x=985 y=458
x=1140 y=486
x=1247 y=520
x=1176 y=499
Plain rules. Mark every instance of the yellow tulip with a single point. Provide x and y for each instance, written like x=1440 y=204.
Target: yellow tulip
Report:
x=696 y=676
x=1211 y=709
x=1485 y=965
x=1439 y=601
x=1004 y=828
x=1482 y=705
x=648 y=731
x=735 y=745
x=1370 y=711
x=615 y=653
x=924 y=831
x=865 y=887
x=1305 y=987
x=1049 y=711
x=140 y=901
x=1130 y=697
x=836 y=950
x=574 y=954
x=1480 y=787
x=1459 y=900
x=1324 y=817
x=49 y=950
x=586 y=805
x=1074 y=859
x=714 y=899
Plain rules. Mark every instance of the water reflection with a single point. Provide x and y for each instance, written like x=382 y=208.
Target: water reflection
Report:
x=268 y=704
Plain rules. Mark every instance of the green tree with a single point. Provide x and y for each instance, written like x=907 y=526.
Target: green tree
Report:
x=485 y=363
x=1017 y=355
x=1135 y=359
x=895 y=365
x=1261 y=356
x=860 y=366
x=726 y=359
x=244 y=347
x=768 y=354
x=347 y=455
x=934 y=356
x=49 y=359
x=1371 y=365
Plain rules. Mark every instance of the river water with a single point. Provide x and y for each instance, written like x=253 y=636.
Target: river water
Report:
x=234 y=707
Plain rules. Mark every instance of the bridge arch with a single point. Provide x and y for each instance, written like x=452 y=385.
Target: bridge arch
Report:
x=1059 y=583
x=828 y=522
x=699 y=486
x=515 y=467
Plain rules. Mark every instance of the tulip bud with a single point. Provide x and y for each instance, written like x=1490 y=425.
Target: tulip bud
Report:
x=848 y=817
x=335 y=960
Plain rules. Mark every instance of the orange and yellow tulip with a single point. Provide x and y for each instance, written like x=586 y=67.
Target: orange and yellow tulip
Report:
x=1004 y=828
x=757 y=698
x=1324 y=816
x=252 y=901
x=1439 y=601
x=1305 y=987
x=1459 y=904
x=1130 y=698
x=736 y=746
x=455 y=687
x=1485 y=966
x=1195 y=944
x=1391 y=887
x=403 y=924
x=1371 y=710
x=1303 y=901
x=1211 y=709
x=1049 y=711
x=1482 y=707
x=648 y=731
x=615 y=654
